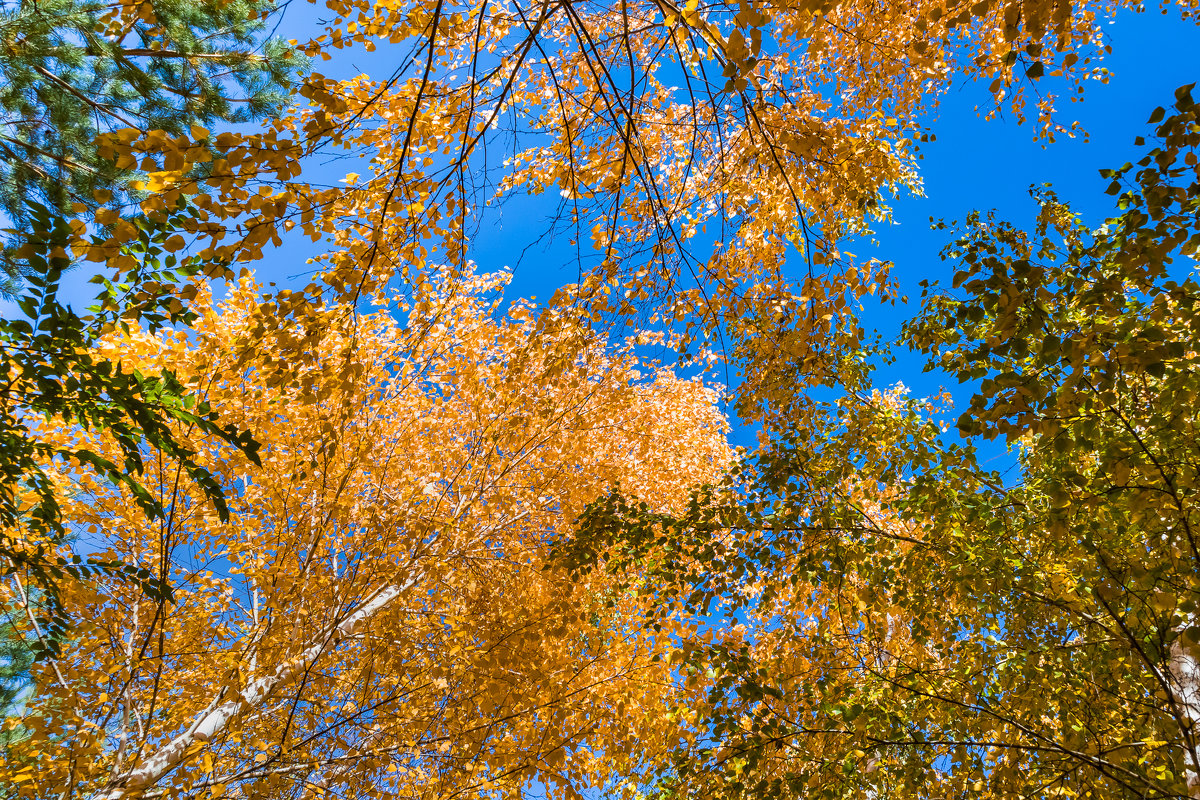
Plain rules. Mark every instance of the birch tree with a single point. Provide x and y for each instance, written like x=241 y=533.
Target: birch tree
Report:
x=378 y=616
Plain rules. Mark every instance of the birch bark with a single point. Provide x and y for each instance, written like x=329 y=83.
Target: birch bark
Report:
x=223 y=709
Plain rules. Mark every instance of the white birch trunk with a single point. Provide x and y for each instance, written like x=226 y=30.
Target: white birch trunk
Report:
x=1185 y=674
x=224 y=708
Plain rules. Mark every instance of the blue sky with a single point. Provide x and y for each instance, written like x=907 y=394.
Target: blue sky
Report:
x=973 y=164
x=978 y=164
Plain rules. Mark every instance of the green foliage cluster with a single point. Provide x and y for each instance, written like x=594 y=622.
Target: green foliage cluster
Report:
x=52 y=376
x=16 y=659
x=72 y=69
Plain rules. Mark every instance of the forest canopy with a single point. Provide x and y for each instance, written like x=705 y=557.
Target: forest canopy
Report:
x=392 y=530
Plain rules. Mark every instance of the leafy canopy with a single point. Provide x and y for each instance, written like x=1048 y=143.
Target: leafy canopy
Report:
x=53 y=377
x=902 y=621
x=380 y=613
x=693 y=147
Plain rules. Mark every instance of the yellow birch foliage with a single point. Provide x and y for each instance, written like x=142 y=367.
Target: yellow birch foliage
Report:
x=378 y=618
x=693 y=145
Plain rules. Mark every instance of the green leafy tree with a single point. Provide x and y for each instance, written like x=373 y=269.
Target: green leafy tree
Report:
x=52 y=378
x=72 y=69
x=902 y=622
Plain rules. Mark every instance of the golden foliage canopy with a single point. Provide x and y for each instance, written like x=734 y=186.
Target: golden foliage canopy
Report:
x=378 y=615
x=694 y=146
x=381 y=614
